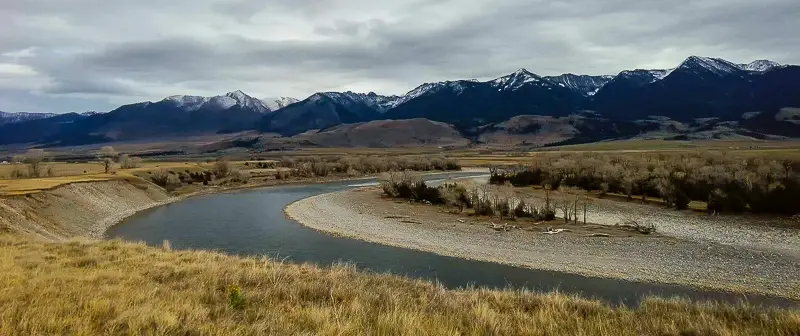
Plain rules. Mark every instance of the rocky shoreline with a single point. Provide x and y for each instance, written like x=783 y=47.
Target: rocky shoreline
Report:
x=362 y=214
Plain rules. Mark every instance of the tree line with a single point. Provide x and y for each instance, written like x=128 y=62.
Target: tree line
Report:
x=321 y=166
x=726 y=182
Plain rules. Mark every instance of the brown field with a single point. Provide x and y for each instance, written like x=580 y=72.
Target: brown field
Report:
x=115 y=288
x=64 y=173
x=27 y=186
x=768 y=150
x=62 y=169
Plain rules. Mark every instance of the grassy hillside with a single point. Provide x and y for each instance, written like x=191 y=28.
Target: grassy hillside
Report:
x=110 y=287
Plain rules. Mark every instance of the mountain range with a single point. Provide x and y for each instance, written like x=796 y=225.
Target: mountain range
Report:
x=702 y=95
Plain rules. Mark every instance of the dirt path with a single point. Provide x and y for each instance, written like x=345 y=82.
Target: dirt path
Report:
x=362 y=214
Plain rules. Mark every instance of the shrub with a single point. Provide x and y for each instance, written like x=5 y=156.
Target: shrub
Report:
x=17 y=173
x=239 y=176
x=282 y=174
x=455 y=196
x=640 y=228
x=548 y=214
x=235 y=297
x=222 y=168
x=410 y=186
x=166 y=180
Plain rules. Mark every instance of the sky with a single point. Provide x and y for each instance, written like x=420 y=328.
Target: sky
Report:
x=81 y=55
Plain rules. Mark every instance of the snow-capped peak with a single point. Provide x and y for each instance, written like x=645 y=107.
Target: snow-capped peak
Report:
x=760 y=65
x=238 y=95
x=522 y=72
x=226 y=101
x=516 y=80
x=243 y=100
x=716 y=66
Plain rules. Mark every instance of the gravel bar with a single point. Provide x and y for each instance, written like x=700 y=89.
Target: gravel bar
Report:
x=688 y=258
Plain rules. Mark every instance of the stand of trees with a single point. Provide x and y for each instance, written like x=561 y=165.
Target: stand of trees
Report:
x=314 y=166
x=483 y=201
x=728 y=183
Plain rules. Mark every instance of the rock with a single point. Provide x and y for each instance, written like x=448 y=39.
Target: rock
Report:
x=600 y=235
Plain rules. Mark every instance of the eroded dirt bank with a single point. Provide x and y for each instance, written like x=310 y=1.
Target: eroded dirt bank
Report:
x=77 y=210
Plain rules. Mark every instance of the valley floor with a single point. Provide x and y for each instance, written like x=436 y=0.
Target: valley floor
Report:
x=53 y=284
x=686 y=259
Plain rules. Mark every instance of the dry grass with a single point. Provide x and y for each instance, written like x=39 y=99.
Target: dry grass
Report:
x=66 y=173
x=27 y=186
x=789 y=149
x=121 y=288
x=670 y=145
x=63 y=169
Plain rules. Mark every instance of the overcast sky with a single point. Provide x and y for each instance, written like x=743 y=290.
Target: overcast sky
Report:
x=78 y=55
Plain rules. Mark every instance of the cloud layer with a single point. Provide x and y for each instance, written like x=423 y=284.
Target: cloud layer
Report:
x=58 y=56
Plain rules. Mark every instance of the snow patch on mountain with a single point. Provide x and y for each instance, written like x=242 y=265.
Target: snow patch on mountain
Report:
x=223 y=102
x=277 y=103
x=584 y=84
x=456 y=87
x=643 y=77
x=15 y=117
x=375 y=101
x=760 y=65
x=187 y=102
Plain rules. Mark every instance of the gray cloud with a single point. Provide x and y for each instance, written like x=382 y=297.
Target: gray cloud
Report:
x=97 y=54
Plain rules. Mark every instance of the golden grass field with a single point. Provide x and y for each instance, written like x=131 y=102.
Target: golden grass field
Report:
x=116 y=288
x=65 y=173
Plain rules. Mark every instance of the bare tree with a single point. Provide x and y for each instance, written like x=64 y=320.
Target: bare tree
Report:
x=34 y=158
x=222 y=168
x=586 y=200
x=107 y=154
x=127 y=162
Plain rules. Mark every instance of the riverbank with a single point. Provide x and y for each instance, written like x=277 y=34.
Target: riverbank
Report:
x=88 y=209
x=362 y=214
x=78 y=209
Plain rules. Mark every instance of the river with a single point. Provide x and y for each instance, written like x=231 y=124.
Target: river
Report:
x=252 y=223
